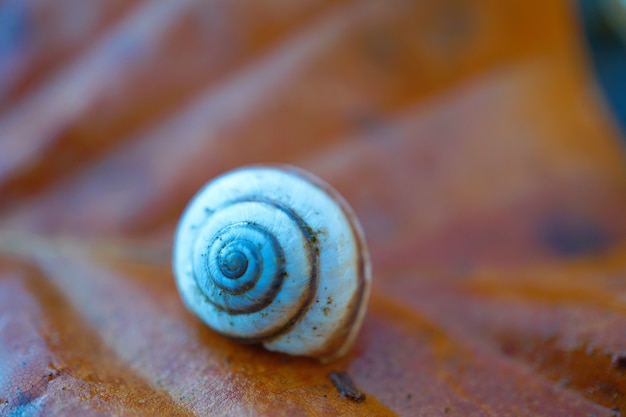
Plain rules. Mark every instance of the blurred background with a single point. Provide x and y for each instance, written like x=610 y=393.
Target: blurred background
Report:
x=461 y=131
x=604 y=24
x=480 y=142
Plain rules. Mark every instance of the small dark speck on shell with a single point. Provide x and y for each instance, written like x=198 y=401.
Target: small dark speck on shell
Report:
x=312 y=236
x=345 y=386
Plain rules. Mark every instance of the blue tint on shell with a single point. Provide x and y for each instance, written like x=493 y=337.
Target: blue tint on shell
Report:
x=245 y=268
x=233 y=262
x=227 y=266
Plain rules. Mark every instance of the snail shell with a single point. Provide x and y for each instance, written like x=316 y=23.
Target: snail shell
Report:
x=272 y=254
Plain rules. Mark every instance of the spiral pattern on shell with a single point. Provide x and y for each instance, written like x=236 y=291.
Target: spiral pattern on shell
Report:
x=274 y=255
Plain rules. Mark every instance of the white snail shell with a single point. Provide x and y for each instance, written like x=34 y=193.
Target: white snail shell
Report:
x=273 y=254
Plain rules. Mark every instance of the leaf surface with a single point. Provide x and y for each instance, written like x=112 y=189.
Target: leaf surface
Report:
x=469 y=137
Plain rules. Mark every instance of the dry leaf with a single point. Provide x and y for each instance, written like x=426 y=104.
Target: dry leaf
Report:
x=469 y=137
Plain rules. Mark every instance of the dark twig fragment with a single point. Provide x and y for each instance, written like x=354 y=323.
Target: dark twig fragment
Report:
x=345 y=386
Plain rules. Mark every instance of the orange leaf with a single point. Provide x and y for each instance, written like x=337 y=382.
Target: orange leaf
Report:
x=468 y=137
